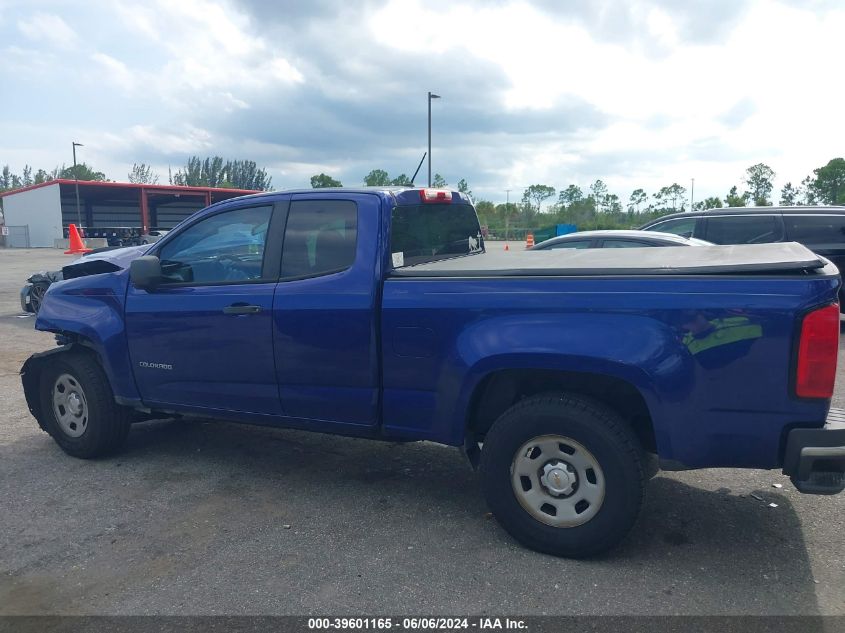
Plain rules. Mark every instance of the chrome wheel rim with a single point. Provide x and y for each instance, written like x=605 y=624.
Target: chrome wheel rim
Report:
x=36 y=296
x=70 y=405
x=557 y=481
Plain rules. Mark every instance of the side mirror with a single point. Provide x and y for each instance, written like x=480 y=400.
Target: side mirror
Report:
x=145 y=272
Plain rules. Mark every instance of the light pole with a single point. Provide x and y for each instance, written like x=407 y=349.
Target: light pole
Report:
x=692 y=195
x=76 y=184
x=430 y=97
x=507 y=212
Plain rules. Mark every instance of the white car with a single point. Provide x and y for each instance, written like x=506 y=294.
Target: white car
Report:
x=616 y=239
x=154 y=236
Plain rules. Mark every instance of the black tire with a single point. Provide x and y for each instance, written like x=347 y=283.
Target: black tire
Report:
x=608 y=439
x=36 y=296
x=106 y=424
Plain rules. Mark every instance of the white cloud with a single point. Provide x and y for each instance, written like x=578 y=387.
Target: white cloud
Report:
x=283 y=70
x=175 y=78
x=778 y=57
x=48 y=28
x=116 y=70
x=207 y=45
x=183 y=140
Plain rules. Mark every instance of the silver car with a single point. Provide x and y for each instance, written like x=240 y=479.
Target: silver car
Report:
x=616 y=239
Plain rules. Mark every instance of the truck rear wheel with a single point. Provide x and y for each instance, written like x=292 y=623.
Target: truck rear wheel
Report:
x=563 y=474
x=78 y=408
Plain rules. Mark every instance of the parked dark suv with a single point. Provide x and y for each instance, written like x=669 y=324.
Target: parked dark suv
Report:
x=821 y=229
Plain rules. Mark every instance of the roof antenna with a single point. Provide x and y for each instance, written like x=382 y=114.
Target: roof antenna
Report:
x=414 y=177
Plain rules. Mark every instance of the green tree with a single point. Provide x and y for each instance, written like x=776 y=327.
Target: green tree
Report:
x=377 y=178
x=245 y=174
x=506 y=213
x=733 y=199
x=613 y=204
x=677 y=195
x=828 y=186
x=486 y=211
x=10 y=180
x=6 y=178
x=708 y=203
x=638 y=199
x=439 y=182
x=759 y=180
x=806 y=192
x=671 y=197
x=321 y=181
x=200 y=173
x=789 y=195
x=537 y=194
x=571 y=195
x=81 y=172
x=598 y=191
x=402 y=180
x=463 y=187
x=142 y=174
x=214 y=172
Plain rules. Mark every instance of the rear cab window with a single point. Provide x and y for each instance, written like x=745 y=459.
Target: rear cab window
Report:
x=425 y=233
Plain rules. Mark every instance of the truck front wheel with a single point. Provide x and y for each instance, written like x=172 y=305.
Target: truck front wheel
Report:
x=78 y=408
x=563 y=474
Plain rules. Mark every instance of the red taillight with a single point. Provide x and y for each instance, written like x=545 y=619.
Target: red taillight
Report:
x=435 y=195
x=815 y=369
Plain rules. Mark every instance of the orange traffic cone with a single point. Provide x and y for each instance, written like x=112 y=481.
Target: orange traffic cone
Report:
x=76 y=245
x=529 y=240
x=506 y=246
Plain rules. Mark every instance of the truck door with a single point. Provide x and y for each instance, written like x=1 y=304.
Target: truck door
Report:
x=325 y=309
x=203 y=338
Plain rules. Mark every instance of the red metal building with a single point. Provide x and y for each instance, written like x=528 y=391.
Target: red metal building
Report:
x=46 y=209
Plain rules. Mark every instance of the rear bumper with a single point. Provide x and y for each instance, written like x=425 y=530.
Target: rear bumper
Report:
x=815 y=458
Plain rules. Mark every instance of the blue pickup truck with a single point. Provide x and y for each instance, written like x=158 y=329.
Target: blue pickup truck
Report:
x=567 y=377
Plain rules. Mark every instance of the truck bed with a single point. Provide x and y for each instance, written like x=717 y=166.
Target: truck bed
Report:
x=781 y=258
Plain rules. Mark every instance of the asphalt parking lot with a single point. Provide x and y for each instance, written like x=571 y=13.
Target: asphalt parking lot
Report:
x=214 y=518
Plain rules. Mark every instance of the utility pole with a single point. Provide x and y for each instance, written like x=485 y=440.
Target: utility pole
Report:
x=507 y=212
x=692 y=196
x=430 y=97
x=76 y=185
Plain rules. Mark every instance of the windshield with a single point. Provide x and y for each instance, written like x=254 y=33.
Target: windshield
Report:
x=430 y=232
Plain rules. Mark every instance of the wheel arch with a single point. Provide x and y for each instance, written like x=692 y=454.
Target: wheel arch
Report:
x=621 y=388
x=89 y=313
x=31 y=370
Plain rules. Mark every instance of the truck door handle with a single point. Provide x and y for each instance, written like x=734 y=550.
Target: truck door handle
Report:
x=241 y=308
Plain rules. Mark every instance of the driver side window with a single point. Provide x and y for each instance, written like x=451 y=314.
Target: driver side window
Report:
x=226 y=247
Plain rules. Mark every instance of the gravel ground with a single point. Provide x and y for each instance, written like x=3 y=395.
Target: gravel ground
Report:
x=214 y=518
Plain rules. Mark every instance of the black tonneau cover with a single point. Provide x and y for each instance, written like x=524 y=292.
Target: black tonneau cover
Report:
x=783 y=257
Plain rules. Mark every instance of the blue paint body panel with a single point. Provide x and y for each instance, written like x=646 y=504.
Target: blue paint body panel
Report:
x=722 y=406
x=325 y=334
x=360 y=352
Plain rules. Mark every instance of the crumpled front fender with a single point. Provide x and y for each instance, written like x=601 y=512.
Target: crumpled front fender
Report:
x=31 y=379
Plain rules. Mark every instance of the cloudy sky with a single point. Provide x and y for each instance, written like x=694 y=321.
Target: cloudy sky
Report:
x=640 y=93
